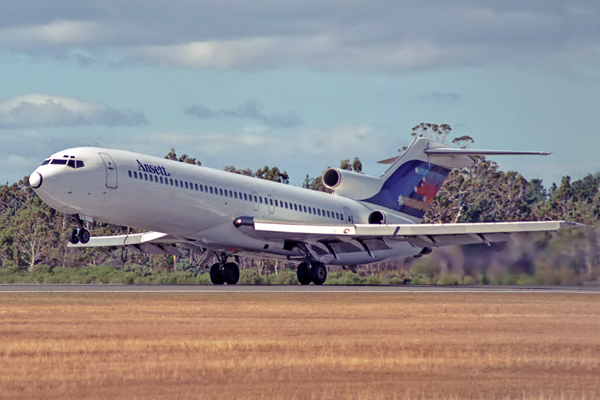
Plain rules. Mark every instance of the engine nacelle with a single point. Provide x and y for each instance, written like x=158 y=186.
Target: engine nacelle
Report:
x=350 y=184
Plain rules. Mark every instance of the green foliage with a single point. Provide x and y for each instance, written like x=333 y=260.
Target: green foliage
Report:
x=252 y=277
x=267 y=173
x=448 y=279
x=172 y=155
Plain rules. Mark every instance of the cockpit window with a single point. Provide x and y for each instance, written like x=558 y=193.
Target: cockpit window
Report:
x=68 y=161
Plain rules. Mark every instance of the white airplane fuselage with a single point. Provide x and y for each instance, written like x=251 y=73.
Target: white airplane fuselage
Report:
x=196 y=203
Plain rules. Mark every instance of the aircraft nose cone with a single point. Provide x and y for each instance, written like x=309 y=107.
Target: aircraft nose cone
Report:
x=35 y=180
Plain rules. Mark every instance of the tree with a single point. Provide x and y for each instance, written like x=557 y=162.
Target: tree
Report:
x=432 y=131
x=172 y=155
x=272 y=174
x=37 y=233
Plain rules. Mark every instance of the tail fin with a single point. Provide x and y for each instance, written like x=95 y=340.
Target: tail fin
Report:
x=414 y=178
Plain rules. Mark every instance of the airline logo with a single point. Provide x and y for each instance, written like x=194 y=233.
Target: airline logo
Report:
x=153 y=169
x=428 y=179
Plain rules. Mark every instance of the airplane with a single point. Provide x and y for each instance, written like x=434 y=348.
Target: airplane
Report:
x=223 y=215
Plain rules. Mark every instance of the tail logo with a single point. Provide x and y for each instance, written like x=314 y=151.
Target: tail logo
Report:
x=413 y=186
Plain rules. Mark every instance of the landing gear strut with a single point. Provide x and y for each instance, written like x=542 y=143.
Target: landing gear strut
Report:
x=316 y=273
x=224 y=272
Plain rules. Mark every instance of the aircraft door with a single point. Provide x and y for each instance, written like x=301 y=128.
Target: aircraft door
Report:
x=348 y=213
x=255 y=201
x=271 y=204
x=111 y=170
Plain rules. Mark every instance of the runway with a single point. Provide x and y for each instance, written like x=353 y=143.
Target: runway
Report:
x=294 y=289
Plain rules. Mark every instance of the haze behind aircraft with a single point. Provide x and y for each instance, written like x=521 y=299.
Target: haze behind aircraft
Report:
x=224 y=215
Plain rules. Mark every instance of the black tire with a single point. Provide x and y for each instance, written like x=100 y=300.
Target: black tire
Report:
x=303 y=274
x=318 y=273
x=231 y=273
x=216 y=275
x=73 y=238
x=84 y=235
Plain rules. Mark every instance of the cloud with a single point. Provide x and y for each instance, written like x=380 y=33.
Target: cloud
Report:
x=38 y=110
x=252 y=110
x=54 y=34
x=357 y=34
x=303 y=145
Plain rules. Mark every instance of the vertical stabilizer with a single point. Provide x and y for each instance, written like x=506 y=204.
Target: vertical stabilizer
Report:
x=415 y=177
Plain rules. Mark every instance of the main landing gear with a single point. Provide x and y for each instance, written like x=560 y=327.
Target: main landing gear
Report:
x=315 y=273
x=77 y=235
x=224 y=272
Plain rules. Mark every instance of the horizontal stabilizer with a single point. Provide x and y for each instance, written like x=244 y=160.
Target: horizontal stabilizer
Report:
x=446 y=151
x=449 y=151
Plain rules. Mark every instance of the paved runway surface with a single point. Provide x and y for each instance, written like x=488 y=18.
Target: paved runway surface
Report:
x=292 y=289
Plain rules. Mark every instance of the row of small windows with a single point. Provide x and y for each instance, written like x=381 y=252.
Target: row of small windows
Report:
x=236 y=195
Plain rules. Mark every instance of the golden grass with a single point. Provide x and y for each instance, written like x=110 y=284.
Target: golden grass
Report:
x=300 y=346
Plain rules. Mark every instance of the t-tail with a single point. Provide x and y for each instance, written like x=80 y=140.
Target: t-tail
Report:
x=413 y=180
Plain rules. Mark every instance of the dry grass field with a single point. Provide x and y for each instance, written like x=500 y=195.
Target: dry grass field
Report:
x=299 y=346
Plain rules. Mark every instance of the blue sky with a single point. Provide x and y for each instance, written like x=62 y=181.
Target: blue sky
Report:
x=300 y=84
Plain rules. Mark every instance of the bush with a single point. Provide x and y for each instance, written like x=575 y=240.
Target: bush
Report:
x=40 y=269
x=427 y=266
x=447 y=279
x=52 y=280
x=373 y=280
x=12 y=270
x=344 y=278
x=420 y=280
x=285 y=278
x=252 y=277
x=129 y=278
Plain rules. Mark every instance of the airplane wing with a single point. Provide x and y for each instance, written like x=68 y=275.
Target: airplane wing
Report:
x=419 y=235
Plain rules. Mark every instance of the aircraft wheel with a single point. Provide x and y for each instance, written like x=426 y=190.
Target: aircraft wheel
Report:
x=318 y=273
x=231 y=273
x=84 y=235
x=73 y=238
x=303 y=274
x=216 y=276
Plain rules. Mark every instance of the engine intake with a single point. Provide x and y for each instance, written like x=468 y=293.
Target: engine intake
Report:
x=377 y=218
x=351 y=184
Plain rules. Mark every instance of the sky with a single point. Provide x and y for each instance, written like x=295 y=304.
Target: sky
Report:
x=300 y=84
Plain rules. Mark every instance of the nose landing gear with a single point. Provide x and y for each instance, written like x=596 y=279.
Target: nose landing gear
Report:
x=77 y=235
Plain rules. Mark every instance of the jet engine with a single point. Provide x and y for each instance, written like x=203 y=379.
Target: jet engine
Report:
x=351 y=184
